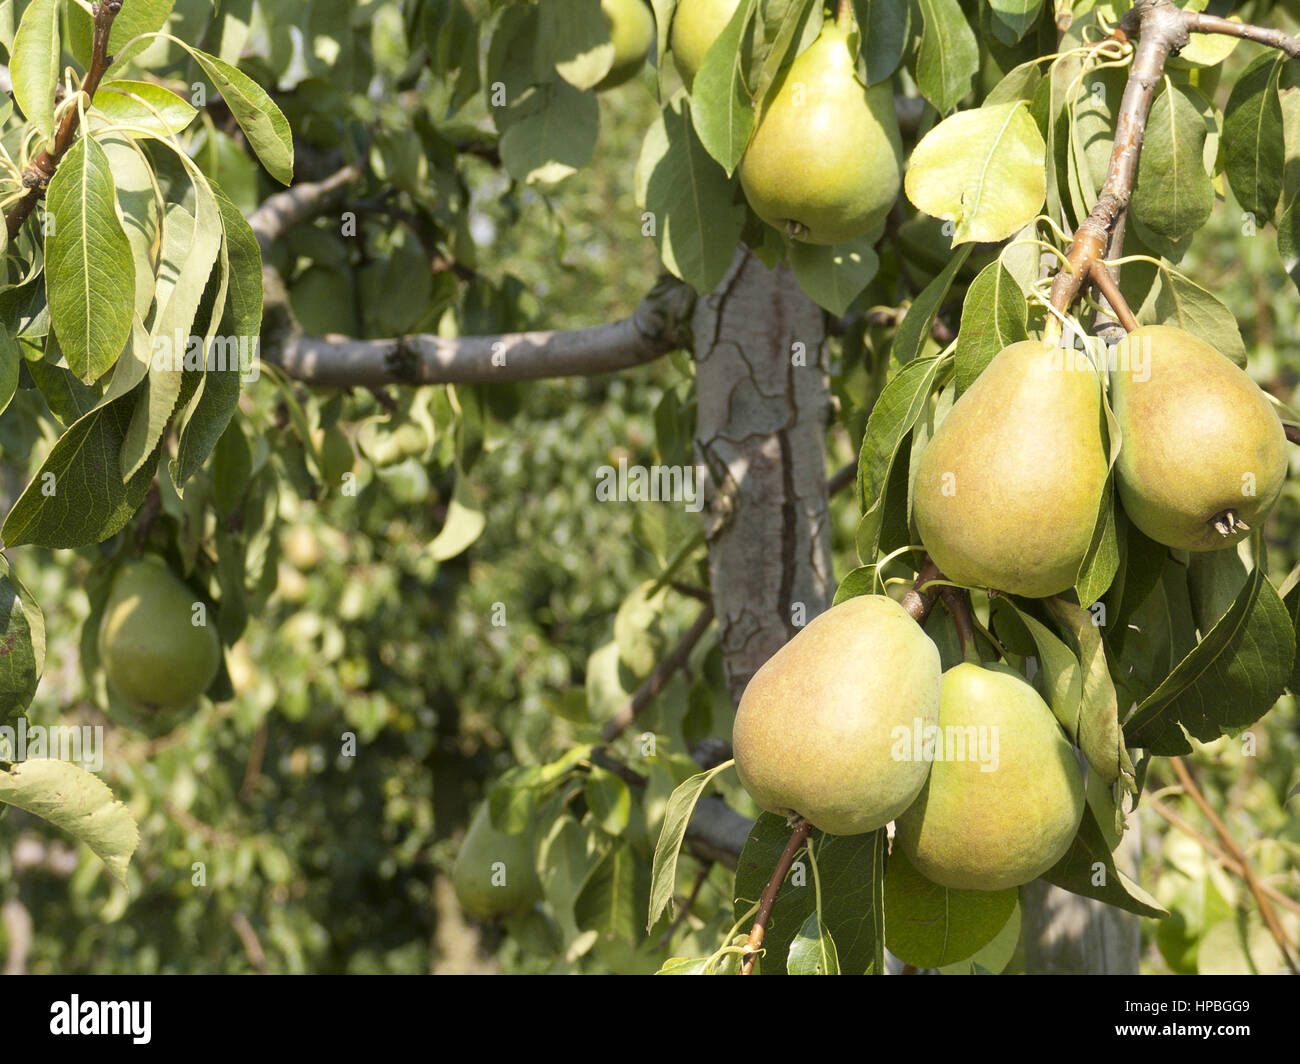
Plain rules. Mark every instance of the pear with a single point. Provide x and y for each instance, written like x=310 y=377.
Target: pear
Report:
x=823 y=166
x=1203 y=454
x=696 y=25
x=154 y=654
x=1005 y=794
x=1008 y=491
x=495 y=874
x=632 y=29
x=817 y=728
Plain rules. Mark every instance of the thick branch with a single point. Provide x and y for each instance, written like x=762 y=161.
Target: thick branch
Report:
x=38 y=174
x=653 y=330
x=920 y=599
x=279 y=213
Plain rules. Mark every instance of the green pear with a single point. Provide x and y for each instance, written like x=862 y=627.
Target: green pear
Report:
x=632 y=29
x=823 y=166
x=1008 y=491
x=154 y=654
x=1005 y=794
x=495 y=874
x=696 y=25
x=1203 y=454
x=817 y=728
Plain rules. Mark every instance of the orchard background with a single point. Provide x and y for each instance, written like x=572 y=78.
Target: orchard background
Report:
x=423 y=601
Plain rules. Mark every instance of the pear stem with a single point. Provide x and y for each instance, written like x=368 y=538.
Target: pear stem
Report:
x=844 y=12
x=1101 y=276
x=768 y=898
x=921 y=599
x=956 y=601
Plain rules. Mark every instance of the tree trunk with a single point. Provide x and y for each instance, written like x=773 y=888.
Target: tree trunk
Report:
x=760 y=433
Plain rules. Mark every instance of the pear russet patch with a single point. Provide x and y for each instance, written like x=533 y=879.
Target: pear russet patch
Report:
x=824 y=164
x=1203 y=457
x=818 y=724
x=1009 y=489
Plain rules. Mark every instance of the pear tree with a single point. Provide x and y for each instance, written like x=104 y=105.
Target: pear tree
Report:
x=990 y=544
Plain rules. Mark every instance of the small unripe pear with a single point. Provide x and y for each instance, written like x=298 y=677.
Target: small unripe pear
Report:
x=632 y=30
x=153 y=652
x=1203 y=457
x=696 y=25
x=1005 y=794
x=824 y=164
x=495 y=874
x=817 y=728
x=1009 y=489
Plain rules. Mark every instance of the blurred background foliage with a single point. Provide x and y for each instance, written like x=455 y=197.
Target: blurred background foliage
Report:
x=265 y=847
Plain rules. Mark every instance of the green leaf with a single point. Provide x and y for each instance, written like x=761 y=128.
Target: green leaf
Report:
x=549 y=132
x=1098 y=733
x=721 y=109
x=574 y=36
x=696 y=219
x=11 y=359
x=896 y=411
x=135 y=18
x=1173 y=195
x=852 y=871
x=261 y=120
x=949 y=55
x=609 y=800
x=930 y=925
x=984 y=169
x=1088 y=869
x=34 y=64
x=22 y=634
x=90 y=273
x=1229 y=680
x=914 y=329
x=1253 y=144
x=834 y=275
x=144 y=105
x=887 y=23
x=215 y=402
x=79 y=498
x=812 y=950
x=614 y=896
x=1181 y=302
x=1288 y=240
x=464 y=524
x=994 y=316
x=1013 y=18
x=74 y=801
x=677 y=817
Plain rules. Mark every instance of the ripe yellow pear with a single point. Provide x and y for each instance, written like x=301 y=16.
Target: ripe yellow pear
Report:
x=1204 y=455
x=154 y=654
x=1005 y=793
x=632 y=29
x=817 y=728
x=1008 y=490
x=495 y=874
x=823 y=166
x=696 y=25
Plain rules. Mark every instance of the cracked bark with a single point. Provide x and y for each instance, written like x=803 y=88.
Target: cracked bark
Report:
x=760 y=434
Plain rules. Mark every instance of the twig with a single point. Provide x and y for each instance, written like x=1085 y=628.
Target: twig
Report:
x=1101 y=276
x=1200 y=23
x=957 y=602
x=253 y=770
x=768 y=898
x=252 y=944
x=660 y=675
x=1209 y=847
x=279 y=213
x=38 y=174
x=1230 y=844
x=1292 y=433
x=842 y=478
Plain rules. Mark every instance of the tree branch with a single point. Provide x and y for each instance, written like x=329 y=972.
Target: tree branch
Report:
x=1239 y=855
x=39 y=172
x=920 y=600
x=1200 y=23
x=768 y=898
x=279 y=213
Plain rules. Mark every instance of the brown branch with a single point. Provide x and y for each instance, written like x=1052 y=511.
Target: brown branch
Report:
x=1292 y=433
x=1106 y=284
x=956 y=601
x=1161 y=30
x=40 y=171
x=919 y=602
x=768 y=898
x=253 y=770
x=1209 y=847
x=1239 y=855
x=659 y=676
x=252 y=944
x=842 y=478
x=1199 y=23
x=279 y=213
